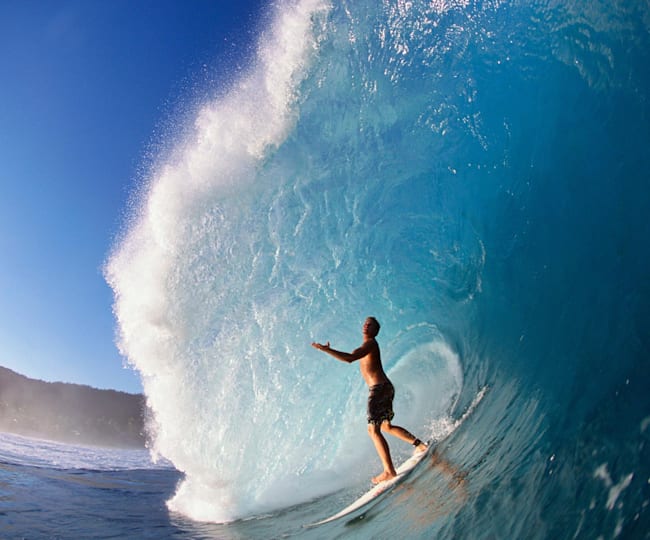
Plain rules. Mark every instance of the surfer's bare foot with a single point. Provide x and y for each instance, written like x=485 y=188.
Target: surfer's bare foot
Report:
x=383 y=477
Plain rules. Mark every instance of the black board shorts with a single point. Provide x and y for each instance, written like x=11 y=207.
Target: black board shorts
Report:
x=380 y=403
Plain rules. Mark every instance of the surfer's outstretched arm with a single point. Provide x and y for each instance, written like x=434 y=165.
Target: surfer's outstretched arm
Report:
x=356 y=354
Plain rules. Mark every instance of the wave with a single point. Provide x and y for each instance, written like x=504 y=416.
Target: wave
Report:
x=456 y=169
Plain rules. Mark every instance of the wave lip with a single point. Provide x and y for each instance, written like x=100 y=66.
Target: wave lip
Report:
x=229 y=138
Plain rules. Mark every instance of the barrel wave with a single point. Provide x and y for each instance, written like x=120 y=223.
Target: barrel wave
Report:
x=473 y=174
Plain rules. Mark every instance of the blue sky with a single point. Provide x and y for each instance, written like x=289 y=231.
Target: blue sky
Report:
x=87 y=88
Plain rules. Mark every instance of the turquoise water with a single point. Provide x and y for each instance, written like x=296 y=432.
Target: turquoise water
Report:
x=473 y=174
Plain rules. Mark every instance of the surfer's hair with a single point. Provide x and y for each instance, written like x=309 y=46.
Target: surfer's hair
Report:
x=376 y=322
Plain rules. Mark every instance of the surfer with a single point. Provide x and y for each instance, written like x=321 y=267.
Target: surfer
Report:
x=380 y=398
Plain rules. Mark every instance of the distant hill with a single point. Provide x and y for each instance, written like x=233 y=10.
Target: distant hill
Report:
x=70 y=413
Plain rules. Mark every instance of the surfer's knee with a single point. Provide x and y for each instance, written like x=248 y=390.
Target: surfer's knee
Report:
x=374 y=429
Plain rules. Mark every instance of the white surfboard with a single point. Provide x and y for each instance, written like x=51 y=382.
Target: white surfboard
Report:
x=371 y=497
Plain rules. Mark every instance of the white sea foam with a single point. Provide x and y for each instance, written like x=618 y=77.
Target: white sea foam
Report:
x=54 y=455
x=188 y=394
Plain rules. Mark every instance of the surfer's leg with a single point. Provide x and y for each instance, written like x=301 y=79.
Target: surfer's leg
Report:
x=374 y=430
x=405 y=435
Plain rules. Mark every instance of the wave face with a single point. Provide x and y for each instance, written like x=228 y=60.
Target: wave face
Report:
x=473 y=174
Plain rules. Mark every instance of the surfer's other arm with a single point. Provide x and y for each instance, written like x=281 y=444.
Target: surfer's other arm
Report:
x=356 y=354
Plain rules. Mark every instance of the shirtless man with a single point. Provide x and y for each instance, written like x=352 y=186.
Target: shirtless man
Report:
x=380 y=400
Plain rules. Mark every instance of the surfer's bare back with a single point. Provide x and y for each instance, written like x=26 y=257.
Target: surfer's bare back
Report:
x=380 y=398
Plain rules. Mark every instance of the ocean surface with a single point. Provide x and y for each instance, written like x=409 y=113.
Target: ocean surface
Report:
x=476 y=175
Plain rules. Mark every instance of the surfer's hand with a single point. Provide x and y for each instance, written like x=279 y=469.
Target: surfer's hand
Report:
x=320 y=346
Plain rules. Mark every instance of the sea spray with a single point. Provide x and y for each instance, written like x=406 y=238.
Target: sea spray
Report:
x=156 y=311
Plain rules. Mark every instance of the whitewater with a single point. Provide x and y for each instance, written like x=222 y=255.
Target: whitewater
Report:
x=475 y=175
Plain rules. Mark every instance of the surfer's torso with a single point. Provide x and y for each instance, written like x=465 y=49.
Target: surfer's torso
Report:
x=370 y=365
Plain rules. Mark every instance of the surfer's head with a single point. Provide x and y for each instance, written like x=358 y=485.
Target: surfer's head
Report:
x=371 y=327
